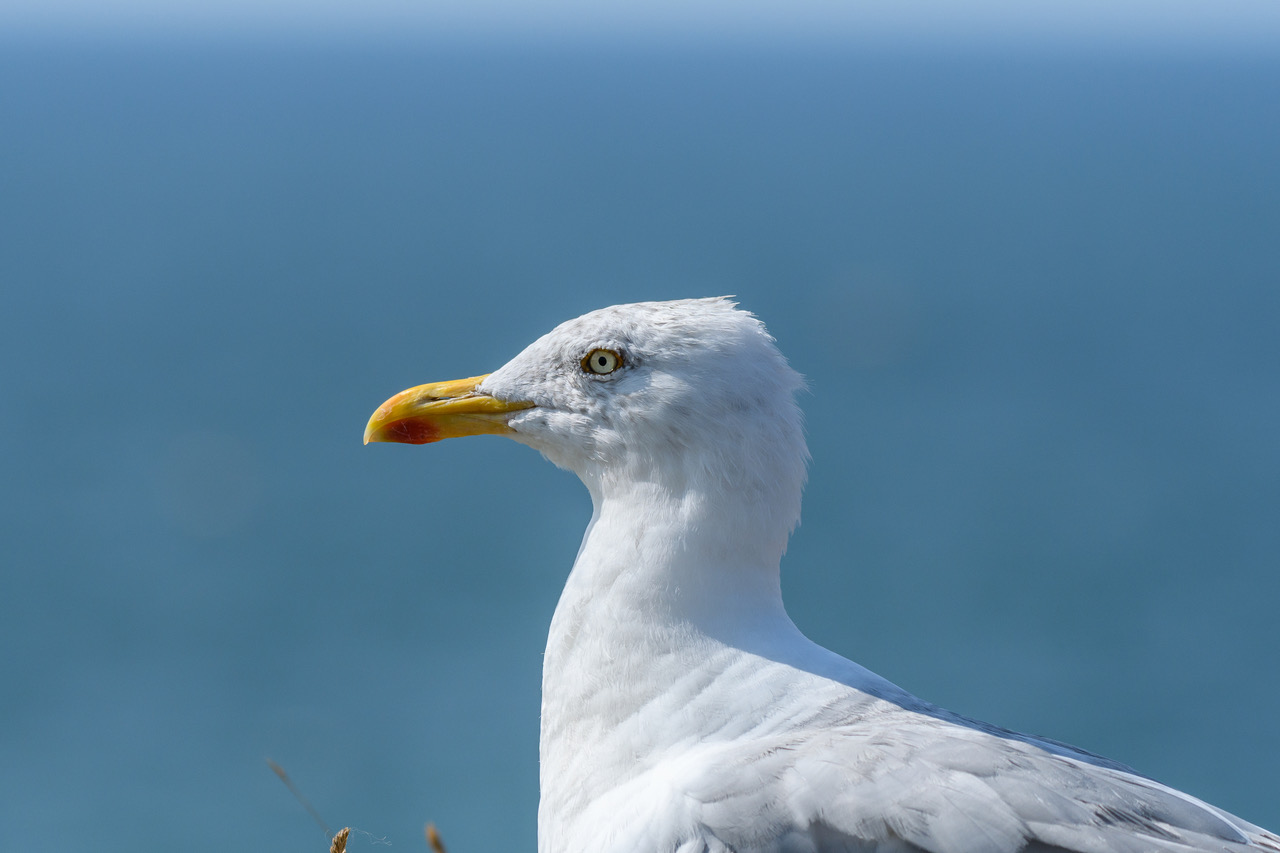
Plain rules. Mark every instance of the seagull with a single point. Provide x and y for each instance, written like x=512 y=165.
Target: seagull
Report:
x=682 y=709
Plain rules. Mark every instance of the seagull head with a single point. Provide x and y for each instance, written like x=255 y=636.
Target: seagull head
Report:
x=684 y=395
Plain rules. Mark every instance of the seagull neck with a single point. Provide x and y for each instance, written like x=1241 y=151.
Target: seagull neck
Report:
x=696 y=560
x=668 y=586
x=676 y=581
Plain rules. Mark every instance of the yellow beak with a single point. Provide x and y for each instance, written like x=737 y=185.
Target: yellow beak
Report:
x=441 y=410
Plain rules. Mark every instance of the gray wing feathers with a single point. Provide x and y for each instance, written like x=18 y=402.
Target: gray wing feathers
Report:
x=962 y=790
x=898 y=781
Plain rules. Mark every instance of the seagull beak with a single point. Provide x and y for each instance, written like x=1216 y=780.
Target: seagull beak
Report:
x=441 y=410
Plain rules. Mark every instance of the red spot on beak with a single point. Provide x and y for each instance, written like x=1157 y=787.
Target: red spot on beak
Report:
x=411 y=431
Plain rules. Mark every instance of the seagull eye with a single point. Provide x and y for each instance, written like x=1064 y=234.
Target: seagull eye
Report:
x=601 y=361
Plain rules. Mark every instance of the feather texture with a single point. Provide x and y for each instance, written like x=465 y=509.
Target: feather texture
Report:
x=683 y=711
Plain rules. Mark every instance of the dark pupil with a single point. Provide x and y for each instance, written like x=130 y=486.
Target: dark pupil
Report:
x=601 y=361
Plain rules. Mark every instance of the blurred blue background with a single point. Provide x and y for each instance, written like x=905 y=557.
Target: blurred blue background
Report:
x=1030 y=267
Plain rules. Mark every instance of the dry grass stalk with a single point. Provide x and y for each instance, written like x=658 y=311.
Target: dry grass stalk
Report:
x=293 y=789
x=433 y=839
x=339 y=844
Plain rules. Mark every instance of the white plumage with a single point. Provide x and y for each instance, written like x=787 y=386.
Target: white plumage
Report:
x=682 y=709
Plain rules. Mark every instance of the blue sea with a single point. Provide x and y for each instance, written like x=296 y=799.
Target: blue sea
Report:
x=1035 y=291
